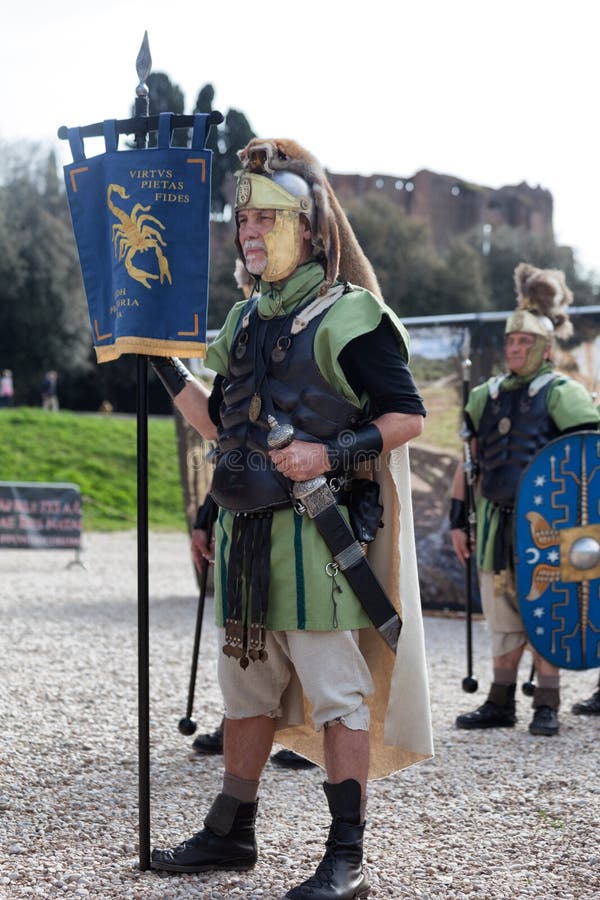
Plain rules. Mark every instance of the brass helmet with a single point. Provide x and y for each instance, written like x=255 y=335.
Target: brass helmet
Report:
x=335 y=245
x=290 y=196
x=542 y=301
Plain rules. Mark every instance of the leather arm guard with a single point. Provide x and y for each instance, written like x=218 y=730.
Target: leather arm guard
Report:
x=206 y=515
x=172 y=372
x=349 y=448
x=458 y=514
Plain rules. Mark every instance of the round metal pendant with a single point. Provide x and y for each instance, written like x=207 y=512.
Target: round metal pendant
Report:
x=255 y=407
x=280 y=349
x=504 y=425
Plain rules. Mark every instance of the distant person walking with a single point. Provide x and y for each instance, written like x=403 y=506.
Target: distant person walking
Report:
x=49 y=391
x=7 y=391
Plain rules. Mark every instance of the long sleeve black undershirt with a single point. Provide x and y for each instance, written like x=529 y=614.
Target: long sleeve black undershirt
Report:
x=373 y=364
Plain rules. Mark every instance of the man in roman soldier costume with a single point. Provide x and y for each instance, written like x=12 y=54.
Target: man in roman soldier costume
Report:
x=508 y=420
x=313 y=405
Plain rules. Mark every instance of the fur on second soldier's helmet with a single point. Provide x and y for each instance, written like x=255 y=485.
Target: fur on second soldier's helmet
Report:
x=335 y=243
x=543 y=298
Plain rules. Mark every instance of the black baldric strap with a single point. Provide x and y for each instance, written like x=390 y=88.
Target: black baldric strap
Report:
x=318 y=500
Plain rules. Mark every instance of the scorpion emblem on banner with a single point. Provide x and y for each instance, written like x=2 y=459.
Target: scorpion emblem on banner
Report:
x=137 y=232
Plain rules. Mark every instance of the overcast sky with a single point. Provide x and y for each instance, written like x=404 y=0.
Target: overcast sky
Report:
x=494 y=93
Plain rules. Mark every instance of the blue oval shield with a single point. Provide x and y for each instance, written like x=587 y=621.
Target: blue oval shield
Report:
x=557 y=550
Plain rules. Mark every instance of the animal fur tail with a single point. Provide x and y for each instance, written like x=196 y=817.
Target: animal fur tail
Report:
x=545 y=292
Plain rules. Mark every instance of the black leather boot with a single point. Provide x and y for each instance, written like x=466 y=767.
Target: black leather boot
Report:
x=227 y=841
x=545 y=718
x=498 y=711
x=209 y=744
x=589 y=707
x=288 y=759
x=339 y=875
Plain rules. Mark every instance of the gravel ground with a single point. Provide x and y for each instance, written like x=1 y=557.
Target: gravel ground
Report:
x=494 y=815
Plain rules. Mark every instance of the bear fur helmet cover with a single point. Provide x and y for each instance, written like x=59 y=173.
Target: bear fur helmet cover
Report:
x=335 y=243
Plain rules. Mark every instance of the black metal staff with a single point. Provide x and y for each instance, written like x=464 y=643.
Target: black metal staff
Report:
x=528 y=687
x=469 y=683
x=187 y=725
x=143 y=66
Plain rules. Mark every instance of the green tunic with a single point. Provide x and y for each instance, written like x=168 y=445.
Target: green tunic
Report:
x=569 y=406
x=302 y=595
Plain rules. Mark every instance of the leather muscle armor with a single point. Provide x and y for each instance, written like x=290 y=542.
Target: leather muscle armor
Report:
x=292 y=389
x=513 y=427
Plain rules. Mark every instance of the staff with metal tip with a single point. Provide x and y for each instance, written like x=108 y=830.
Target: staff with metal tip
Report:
x=187 y=725
x=528 y=687
x=463 y=517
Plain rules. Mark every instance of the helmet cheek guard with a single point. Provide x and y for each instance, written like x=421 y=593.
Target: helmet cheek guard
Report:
x=283 y=246
x=290 y=197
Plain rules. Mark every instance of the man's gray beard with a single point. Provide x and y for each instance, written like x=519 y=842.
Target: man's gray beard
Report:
x=257 y=267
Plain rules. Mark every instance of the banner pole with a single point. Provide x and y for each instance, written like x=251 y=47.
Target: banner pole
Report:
x=143 y=67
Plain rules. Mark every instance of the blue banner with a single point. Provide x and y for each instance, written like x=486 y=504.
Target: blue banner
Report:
x=141 y=222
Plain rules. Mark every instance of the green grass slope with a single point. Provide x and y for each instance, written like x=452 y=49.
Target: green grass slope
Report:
x=98 y=453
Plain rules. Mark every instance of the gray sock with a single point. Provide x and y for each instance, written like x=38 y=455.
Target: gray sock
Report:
x=242 y=789
x=549 y=681
x=505 y=676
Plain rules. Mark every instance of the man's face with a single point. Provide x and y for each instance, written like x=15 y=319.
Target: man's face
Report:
x=253 y=224
x=517 y=347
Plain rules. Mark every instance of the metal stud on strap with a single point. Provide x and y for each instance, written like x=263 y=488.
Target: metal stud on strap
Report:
x=350 y=556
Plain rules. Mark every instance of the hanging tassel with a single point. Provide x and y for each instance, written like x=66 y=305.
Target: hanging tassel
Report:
x=248 y=587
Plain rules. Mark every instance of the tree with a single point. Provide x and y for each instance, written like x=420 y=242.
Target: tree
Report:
x=43 y=315
x=460 y=280
x=222 y=288
x=164 y=96
x=224 y=140
x=509 y=247
x=401 y=251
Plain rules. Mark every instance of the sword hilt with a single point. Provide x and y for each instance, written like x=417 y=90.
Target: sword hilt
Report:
x=279 y=436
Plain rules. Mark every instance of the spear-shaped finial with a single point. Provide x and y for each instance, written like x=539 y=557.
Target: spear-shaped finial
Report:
x=143 y=66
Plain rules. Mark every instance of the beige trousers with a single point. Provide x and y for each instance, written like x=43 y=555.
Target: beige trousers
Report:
x=502 y=613
x=326 y=665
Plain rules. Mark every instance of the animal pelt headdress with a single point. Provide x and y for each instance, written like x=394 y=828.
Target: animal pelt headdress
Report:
x=242 y=278
x=542 y=301
x=335 y=243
